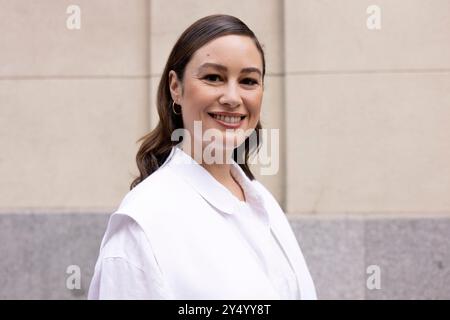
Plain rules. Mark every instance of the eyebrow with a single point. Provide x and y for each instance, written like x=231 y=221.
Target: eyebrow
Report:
x=223 y=68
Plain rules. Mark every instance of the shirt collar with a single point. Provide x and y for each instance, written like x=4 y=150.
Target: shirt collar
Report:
x=210 y=189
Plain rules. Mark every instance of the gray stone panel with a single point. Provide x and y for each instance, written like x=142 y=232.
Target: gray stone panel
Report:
x=413 y=254
x=334 y=251
x=36 y=250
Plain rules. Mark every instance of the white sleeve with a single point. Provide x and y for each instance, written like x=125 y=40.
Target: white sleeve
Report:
x=126 y=267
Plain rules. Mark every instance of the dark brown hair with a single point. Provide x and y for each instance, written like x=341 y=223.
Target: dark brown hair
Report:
x=157 y=144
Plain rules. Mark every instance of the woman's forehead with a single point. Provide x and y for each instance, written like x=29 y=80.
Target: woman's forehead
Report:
x=228 y=50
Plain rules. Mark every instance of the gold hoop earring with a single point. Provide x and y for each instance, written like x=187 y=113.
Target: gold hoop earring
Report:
x=173 y=109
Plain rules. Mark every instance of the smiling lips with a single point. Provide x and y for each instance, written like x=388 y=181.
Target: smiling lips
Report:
x=228 y=119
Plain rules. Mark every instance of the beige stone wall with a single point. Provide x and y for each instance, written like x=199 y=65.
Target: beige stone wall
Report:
x=364 y=115
x=72 y=102
x=367 y=111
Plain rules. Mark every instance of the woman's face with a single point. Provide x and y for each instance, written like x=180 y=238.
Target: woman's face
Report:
x=223 y=89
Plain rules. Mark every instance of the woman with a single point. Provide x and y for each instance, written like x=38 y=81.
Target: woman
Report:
x=196 y=224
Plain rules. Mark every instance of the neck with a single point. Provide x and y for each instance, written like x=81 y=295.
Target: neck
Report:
x=220 y=171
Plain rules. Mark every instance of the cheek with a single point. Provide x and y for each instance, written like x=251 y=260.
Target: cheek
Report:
x=254 y=107
x=197 y=99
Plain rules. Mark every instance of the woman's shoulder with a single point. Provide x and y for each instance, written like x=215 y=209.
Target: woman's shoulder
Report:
x=154 y=194
x=123 y=237
x=161 y=179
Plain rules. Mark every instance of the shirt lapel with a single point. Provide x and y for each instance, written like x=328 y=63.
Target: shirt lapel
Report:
x=202 y=181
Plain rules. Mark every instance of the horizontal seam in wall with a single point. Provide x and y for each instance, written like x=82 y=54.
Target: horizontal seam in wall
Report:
x=379 y=71
x=75 y=77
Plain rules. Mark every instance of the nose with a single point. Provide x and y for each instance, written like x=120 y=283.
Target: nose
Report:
x=231 y=95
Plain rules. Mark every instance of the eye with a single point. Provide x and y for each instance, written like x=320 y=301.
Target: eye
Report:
x=212 y=77
x=250 y=81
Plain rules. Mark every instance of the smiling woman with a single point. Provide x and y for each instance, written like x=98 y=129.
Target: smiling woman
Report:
x=194 y=229
x=224 y=79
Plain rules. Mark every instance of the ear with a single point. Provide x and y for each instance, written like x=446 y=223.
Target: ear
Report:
x=175 y=86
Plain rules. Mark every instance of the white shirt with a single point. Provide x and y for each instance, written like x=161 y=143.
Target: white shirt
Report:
x=260 y=238
x=180 y=234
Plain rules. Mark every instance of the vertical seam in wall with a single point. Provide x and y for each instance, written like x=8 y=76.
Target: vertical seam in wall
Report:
x=283 y=134
x=149 y=63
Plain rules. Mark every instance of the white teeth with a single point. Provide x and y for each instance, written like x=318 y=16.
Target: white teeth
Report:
x=227 y=119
